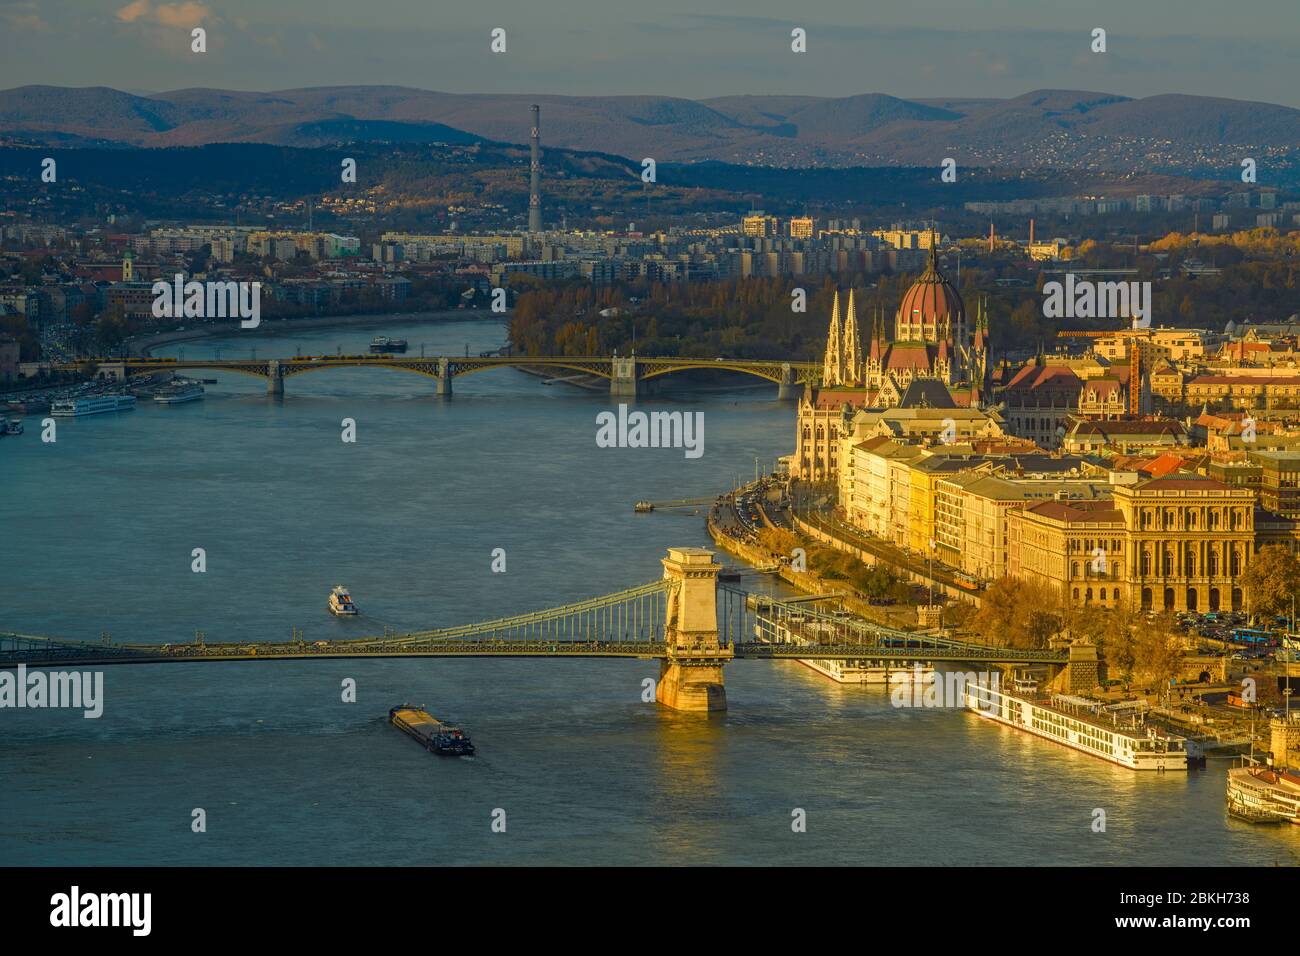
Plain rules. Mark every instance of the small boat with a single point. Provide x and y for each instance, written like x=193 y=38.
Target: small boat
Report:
x=179 y=392
x=430 y=732
x=14 y=426
x=643 y=506
x=340 y=601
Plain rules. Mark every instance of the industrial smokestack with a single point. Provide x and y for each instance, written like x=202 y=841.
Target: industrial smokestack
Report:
x=535 y=181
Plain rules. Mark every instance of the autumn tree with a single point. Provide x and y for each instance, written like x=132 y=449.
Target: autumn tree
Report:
x=1019 y=613
x=1271 y=580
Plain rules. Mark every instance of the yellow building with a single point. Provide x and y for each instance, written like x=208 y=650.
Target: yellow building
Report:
x=1074 y=547
x=1175 y=543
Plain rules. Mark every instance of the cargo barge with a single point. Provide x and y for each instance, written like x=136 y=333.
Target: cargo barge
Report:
x=431 y=733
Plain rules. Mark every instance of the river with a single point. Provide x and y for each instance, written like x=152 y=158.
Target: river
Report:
x=97 y=532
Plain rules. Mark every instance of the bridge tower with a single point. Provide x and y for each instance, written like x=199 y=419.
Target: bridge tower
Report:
x=622 y=379
x=690 y=677
x=274 y=378
x=444 y=378
x=788 y=390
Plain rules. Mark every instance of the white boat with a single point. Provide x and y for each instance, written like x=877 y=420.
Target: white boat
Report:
x=885 y=671
x=1262 y=795
x=178 y=392
x=13 y=427
x=340 y=601
x=1119 y=735
x=92 y=405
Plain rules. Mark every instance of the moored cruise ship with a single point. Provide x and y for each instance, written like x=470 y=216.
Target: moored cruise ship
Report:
x=1264 y=795
x=866 y=671
x=1086 y=725
x=92 y=405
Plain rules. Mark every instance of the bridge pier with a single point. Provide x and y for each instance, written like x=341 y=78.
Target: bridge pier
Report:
x=690 y=676
x=275 y=378
x=622 y=380
x=788 y=389
x=443 y=387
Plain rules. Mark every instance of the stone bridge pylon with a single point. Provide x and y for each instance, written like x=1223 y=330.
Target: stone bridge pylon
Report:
x=690 y=675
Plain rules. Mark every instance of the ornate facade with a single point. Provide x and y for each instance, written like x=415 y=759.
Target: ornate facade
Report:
x=931 y=340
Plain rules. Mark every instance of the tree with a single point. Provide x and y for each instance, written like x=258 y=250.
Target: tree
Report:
x=1019 y=613
x=1158 y=652
x=1271 y=580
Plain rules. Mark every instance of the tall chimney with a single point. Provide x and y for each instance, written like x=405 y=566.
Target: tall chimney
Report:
x=535 y=181
x=1031 y=232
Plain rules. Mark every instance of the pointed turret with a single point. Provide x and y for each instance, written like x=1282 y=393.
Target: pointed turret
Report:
x=877 y=346
x=832 y=363
x=851 y=368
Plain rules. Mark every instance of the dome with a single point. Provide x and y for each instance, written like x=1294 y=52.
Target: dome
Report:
x=929 y=302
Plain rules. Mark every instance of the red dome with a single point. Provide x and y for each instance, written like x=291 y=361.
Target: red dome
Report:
x=928 y=302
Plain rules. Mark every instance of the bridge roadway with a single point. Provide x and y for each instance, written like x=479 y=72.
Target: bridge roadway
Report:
x=628 y=623
x=44 y=652
x=623 y=373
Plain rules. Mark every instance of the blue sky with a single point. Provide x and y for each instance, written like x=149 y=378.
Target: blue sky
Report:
x=911 y=48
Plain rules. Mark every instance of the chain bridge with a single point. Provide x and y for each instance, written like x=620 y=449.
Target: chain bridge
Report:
x=685 y=620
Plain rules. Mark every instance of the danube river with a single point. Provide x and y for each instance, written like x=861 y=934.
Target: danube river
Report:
x=97 y=532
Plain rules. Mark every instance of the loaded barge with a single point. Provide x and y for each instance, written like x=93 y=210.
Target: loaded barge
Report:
x=429 y=732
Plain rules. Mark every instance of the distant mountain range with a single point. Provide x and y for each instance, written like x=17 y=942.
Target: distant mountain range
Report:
x=1046 y=128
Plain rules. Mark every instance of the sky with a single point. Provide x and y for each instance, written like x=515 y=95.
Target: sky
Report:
x=1248 y=50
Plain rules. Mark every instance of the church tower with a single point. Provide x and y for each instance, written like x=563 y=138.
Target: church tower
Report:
x=851 y=372
x=832 y=364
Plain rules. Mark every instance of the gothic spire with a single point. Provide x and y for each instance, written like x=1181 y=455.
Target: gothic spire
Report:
x=832 y=363
x=850 y=372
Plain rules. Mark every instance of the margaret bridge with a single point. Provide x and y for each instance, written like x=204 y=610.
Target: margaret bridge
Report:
x=623 y=373
x=693 y=626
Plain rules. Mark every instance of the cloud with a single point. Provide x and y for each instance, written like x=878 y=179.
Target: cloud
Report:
x=185 y=14
x=181 y=14
x=133 y=11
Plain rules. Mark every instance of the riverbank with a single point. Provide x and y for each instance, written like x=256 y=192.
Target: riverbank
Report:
x=143 y=345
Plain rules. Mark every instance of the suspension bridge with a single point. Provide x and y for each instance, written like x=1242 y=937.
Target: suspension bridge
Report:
x=624 y=373
x=686 y=620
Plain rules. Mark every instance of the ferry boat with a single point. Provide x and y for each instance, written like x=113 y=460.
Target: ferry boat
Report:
x=864 y=671
x=340 y=601
x=1262 y=795
x=178 y=392
x=382 y=343
x=92 y=405
x=430 y=732
x=1119 y=735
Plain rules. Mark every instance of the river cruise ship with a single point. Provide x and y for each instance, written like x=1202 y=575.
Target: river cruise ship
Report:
x=1119 y=735
x=864 y=671
x=1264 y=795
x=92 y=405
